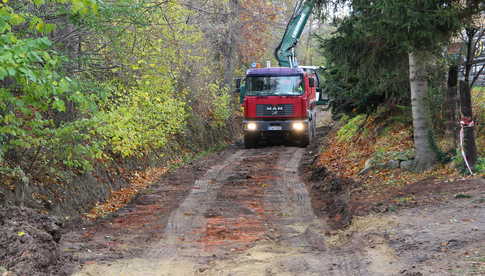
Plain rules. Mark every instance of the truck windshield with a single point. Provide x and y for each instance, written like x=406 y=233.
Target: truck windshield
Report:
x=274 y=86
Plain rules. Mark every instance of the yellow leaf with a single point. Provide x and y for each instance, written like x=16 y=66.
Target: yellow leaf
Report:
x=20 y=234
x=40 y=27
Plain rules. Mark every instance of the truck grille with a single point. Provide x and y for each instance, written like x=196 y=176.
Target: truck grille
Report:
x=275 y=110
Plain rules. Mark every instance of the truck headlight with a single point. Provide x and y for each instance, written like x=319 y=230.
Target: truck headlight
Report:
x=251 y=126
x=298 y=126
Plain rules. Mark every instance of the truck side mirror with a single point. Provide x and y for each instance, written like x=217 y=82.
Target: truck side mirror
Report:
x=322 y=97
x=312 y=82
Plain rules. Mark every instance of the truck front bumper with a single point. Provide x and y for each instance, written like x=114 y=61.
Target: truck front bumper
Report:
x=287 y=126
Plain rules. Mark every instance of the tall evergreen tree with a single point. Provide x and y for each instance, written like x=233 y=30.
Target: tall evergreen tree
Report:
x=420 y=28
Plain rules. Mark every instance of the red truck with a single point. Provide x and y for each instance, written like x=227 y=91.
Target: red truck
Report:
x=279 y=101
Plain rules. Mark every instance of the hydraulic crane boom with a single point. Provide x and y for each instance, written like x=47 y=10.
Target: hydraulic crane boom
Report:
x=285 y=52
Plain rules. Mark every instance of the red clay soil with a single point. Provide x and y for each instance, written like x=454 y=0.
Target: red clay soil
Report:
x=124 y=233
x=238 y=225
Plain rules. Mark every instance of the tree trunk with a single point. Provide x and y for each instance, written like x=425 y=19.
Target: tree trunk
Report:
x=450 y=105
x=230 y=53
x=423 y=139
x=469 y=145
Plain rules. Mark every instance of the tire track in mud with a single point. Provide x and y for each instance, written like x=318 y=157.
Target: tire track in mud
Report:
x=249 y=215
x=289 y=193
x=295 y=243
x=185 y=220
x=180 y=236
x=315 y=260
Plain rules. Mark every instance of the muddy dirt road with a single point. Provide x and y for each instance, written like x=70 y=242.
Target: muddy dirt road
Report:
x=250 y=213
x=246 y=212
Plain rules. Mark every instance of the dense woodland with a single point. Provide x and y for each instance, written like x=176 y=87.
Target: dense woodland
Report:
x=87 y=83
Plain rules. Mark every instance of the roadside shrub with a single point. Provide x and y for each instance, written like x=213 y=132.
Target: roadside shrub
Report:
x=221 y=108
x=143 y=121
x=480 y=166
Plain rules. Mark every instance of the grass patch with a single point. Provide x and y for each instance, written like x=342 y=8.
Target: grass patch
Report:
x=480 y=166
x=351 y=128
x=458 y=196
x=405 y=199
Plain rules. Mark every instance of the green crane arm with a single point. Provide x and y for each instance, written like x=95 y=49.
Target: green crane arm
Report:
x=285 y=52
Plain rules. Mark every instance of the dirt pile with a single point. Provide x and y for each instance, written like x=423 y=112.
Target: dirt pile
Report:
x=329 y=192
x=29 y=243
x=330 y=196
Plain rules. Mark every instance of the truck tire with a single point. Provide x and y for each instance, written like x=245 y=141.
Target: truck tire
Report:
x=250 y=140
x=306 y=138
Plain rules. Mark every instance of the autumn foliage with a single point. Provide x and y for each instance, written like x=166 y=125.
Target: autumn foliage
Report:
x=257 y=18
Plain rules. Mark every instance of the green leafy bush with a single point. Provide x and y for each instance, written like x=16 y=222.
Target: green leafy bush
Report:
x=32 y=93
x=144 y=121
x=221 y=107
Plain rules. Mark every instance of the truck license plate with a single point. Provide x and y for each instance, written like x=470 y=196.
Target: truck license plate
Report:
x=275 y=128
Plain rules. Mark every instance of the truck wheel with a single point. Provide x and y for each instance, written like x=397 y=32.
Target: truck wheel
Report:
x=250 y=140
x=306 y=138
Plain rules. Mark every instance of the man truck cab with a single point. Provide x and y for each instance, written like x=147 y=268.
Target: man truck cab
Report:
x=279 y=101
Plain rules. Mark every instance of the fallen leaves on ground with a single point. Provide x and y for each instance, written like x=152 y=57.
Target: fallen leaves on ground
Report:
x=118 y=199
x=347 y=159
